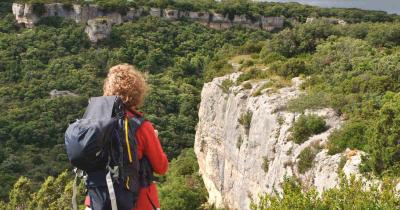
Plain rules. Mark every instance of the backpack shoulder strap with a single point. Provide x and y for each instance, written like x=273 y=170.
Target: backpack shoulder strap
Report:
x=136 y=122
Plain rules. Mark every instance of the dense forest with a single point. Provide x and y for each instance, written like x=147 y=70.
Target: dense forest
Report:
x=353 y=68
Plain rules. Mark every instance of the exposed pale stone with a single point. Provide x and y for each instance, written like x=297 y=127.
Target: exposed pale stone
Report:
x=271 y=23
x=155 y=12
x=133 y=13
x=98 y=29
x=216 y=17
x=171 y=14
x=83 y=13
x=200 y=16
x=58 y=93
x=24 y=14
x=231 y=157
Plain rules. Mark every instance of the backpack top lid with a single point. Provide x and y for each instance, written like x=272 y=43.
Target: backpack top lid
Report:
x=104 y=107
x=86 y=140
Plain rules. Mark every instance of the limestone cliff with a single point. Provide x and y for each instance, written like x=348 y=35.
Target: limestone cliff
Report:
x=239 y=162
x=25 y=15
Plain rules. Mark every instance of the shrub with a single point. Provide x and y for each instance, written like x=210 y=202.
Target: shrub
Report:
x=291 y=68
x=265 y=164
x=248 y=63
x=260 y=89
x=306 y=159
x=183 y=188
x=306 y=126
x=351 y=194
x=239 y=142
x=312 y=100
x=245 y=119
x=253 y=73
x=351 y=135
x=225 y=85
x=247 y=85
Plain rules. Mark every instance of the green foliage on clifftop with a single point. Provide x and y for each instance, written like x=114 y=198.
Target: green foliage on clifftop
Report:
x=351 y=194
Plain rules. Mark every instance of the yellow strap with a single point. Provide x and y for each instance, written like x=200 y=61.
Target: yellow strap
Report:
x=128 y=146
x=127 y=183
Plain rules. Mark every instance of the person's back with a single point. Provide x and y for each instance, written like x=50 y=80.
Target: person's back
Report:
x=130 y=85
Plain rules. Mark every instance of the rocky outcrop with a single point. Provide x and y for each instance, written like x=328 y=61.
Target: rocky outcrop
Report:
x=26 y=15
x=60 y=93
x=328 y=20
x=98 y=29
x=239 y=162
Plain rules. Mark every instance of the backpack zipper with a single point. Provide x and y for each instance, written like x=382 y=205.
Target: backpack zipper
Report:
x=128 y=146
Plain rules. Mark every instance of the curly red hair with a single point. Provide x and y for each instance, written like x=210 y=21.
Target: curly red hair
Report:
x=127 y=82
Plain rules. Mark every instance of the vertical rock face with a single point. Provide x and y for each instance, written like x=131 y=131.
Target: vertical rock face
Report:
x=238 y=162
x=25 y=14
x=98 y=29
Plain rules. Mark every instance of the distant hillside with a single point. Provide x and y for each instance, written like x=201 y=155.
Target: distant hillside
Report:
x=352 y=69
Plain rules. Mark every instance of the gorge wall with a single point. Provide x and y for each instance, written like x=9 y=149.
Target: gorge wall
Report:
x=238 y=163
x=99 y=21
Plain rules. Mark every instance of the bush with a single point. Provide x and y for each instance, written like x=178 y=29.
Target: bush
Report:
x=351 y=135
x=351 y=194
x=245 y=119
x=239 y=142
x=306 y=126
x=183 y=188
x=247 y=85
x=291 y=68
x=306 y=159
x=225 y=85
x=252 y=73
x=265 y=164
x=312 y=100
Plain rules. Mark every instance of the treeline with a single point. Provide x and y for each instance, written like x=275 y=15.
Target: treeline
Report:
x=230 y=8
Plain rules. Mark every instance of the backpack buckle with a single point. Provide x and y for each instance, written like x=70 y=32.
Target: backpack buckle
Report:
x=114 y=171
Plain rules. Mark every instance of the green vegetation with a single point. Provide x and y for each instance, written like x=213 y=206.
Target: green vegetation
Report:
x=265 y=164
x=58 y=55
x=248 y=8
x=350 y=136
x=239 y=142
x=183 y=188
x=353 y=68
x=306 y=158
x=247 y=85
x=245 y=119
x=252 y=73
x=306 y=126
x=54 y=193
x=350 y=195
x=225 y=85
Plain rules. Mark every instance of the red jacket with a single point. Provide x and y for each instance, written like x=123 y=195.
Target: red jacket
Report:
x=149 y=145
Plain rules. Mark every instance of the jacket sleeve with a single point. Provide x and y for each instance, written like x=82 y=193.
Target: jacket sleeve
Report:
x=152 y=148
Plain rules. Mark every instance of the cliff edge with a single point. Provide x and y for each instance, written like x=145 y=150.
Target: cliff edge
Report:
x=240 y=161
